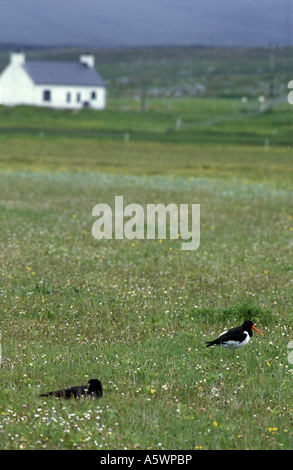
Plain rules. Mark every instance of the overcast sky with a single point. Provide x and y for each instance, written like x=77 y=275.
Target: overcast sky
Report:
x=103 y=23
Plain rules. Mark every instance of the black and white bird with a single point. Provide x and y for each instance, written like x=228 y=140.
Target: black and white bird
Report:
x=92 y=389
x=235 y=337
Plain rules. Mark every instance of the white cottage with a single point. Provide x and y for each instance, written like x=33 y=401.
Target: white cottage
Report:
x=55 y=84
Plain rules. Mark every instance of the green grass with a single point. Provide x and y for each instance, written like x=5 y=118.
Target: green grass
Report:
x=137 y=313
x=201 y=121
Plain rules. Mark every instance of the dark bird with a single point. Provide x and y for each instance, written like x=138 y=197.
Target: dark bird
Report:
x=235 y=337
x=92 y=389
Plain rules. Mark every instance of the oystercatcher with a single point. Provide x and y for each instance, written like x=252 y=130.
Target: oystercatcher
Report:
x=235 y=337
x=93 y=389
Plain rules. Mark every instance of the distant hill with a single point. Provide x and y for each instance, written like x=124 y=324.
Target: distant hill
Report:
x=185 y=71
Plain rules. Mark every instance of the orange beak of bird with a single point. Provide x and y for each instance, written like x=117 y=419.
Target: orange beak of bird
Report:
x=255 y=329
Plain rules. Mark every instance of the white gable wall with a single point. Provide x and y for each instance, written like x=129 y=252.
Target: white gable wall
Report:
x=16 y=86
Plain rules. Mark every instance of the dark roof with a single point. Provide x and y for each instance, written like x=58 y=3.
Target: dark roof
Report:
x=62 y=73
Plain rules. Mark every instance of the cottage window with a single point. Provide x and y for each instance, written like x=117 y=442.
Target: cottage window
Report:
x=78 y=97
x=93 y=95
x=68 y=97
x=47 y=95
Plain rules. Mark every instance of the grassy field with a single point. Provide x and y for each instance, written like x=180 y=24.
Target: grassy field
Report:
x=137 y=313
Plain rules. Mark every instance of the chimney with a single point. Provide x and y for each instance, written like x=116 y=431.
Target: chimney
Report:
x=87 y=59
x=17 y=58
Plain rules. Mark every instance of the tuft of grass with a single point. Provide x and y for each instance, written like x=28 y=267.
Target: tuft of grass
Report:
x=238 y=312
